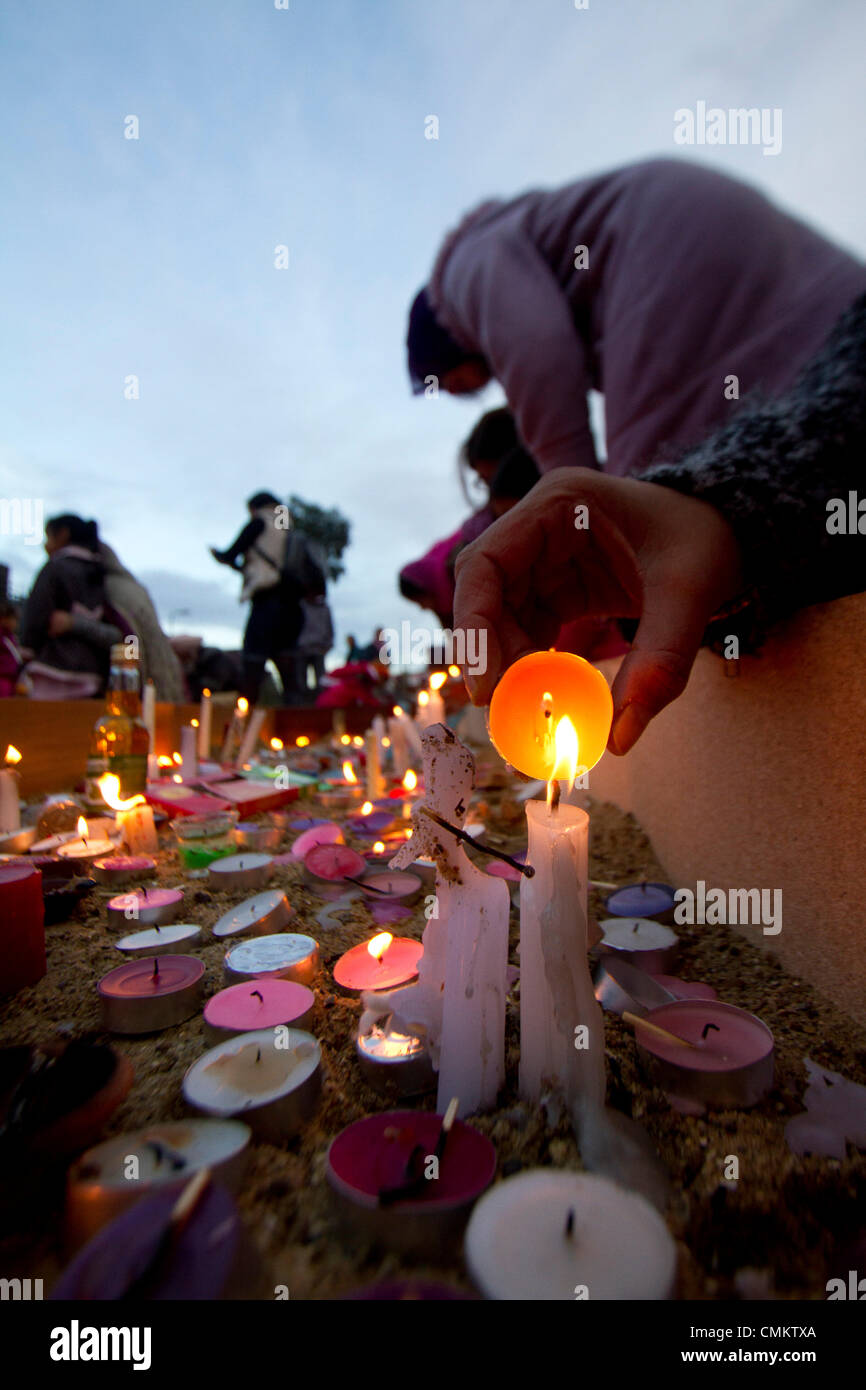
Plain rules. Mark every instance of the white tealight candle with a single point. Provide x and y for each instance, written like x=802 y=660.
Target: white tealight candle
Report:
x=265 y=913
x=271 y=1078
x=240 y=871
x=170 y=940
x=648 y=944
x=548 y=1235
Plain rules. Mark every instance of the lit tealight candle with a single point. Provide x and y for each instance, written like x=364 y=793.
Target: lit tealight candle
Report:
x=394 y=1062
x=85 y=848
x=381 y=963
x=547 y=1235
x=534 y=695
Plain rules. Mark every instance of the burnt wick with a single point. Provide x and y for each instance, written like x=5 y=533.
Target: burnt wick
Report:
x=569 y=1224
x=706 y=1029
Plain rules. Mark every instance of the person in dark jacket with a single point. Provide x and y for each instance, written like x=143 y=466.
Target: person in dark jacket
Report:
x=762 y=518
x=68 y=622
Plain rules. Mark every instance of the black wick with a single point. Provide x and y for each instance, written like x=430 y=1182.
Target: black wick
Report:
x=155 y=975
x=257 y=994
x=367 y=887
x=707 y=1027
x=569 y=1223
x=526 y=869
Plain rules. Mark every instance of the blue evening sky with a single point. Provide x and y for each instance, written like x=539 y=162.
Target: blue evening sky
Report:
x=305 y=127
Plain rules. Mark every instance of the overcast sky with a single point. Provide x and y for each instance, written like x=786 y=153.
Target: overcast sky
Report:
x=304 y=127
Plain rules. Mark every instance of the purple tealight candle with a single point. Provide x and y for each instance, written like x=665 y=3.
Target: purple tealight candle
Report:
x=642 y=900
x=150 y=993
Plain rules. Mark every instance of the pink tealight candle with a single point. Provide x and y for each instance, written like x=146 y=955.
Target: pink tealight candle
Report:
x=151 y=993
x=328 y=866
x=393 y=886
x=260 y=1004
x=119 y=869
x=325 y=832
x=145 y=905
x=381 y=963
x=730 y=1061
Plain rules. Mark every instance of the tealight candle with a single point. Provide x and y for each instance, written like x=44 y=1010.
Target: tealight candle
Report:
x=121 y=869
x=171 y=940
x=394 y=886
x=323 y=832
x=530 y=700
x=86 y=847
x=270 y=1077
x=265 y=1003
x=548 y=1235
x=326 y=867
x=286 y=956
x=642 y=900
x=393 y=1062
x=371 y=1160
x=249 y=835
x=371 y=826
x=650 y=945
x=730 y=1062
x=10 y=807
x=381 y=963
x=259 y=916
x=240 y=871
x=145 y=905
x=103 y=1182
x=151 y=993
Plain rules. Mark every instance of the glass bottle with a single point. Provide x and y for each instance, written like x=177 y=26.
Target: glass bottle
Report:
x=120 y=742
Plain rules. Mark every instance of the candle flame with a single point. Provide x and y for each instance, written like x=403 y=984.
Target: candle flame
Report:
x=176 y=758
x=205 y=694
x=423 y=698
x=379 y=847
x=349 y=772
x=410 y=781
x=345 y=740
x=438 y=679
x=276 y=745
x=82 y=828
x=397 y=712
x=358 y=741
x=176 y=777
x=243 y=707
x=366 y=808
x=109 y=786
x=163 y=760
x=194 y=723
x=379 y=945
x=12 y=754
x=454 y=672
x=302 y=741
x=566 y=752
x=386 y=742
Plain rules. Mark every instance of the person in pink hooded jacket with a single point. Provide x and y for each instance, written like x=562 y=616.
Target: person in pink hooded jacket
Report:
x=671 y=288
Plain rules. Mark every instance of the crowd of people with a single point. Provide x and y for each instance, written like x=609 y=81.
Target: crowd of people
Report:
x=728 y=340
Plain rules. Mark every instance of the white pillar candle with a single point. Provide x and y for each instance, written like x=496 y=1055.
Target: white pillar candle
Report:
x=138 y=829
x=204 y=725
x=561 y=1028
x=10 y=809
x=375 y=782
x=399 y=745
x=380 y=729
x=548 y=1235
x=251 y=736
x=188 y=753
x=460 y=996
x=148 y=717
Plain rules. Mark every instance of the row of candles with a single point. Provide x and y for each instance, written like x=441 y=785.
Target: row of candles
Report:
x=446 y=1002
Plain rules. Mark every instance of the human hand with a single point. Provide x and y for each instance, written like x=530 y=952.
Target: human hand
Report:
x=646 y=552
x=59 y=623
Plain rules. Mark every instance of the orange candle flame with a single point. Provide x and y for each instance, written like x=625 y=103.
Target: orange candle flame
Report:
x=109 y=786
x=302 y=741
x=12 y=754
x=349 y=772
x=379 y=945
x=438 y=679
x=410 y=781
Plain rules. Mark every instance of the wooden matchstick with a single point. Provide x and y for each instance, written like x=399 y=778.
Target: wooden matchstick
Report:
x=661 y=1033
